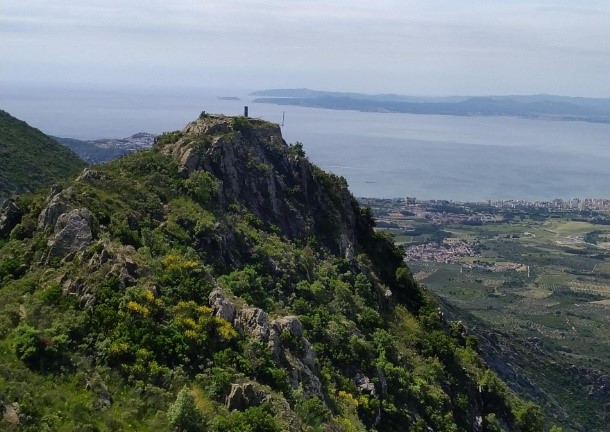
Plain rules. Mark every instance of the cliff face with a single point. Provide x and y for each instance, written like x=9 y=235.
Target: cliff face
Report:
x=272 y=180
x=222 y=282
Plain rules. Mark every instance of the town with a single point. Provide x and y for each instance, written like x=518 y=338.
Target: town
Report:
x=426 y=228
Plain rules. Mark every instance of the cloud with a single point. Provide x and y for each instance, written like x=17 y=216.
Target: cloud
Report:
x=387 y=45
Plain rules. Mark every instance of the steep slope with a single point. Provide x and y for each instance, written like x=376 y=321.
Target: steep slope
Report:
x=29 y=159
x=221 y=282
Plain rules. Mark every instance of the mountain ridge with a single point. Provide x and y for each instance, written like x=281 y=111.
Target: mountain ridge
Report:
x=549 y=107
x=29 y=159
x=220 y=281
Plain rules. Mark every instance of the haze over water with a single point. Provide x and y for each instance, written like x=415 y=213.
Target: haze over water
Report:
x=380 y=154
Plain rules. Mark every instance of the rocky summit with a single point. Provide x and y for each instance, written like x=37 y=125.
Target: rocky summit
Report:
x=221 y=282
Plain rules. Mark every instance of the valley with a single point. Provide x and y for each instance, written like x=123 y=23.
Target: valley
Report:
x=537 y=273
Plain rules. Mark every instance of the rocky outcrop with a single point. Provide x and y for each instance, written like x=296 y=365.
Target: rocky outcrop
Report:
x=48 y=217
x=78 y=288
x=284 y=336
x=222 y=306
x=90 y=174
x=254 y=321
x=71 y=229
x=243 y=396
x=114 y=262
x=72 y=233
x=10 y=216
x=271 y=180
x=209 y=125
x=11 y=414
x=124 y=268
x=364 y=384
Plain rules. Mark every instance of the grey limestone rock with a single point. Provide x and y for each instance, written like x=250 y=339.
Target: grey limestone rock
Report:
x=188 y=162
x=255 y=321
x=243 y=396
x=49 y=216
x=72 y=233
x=209 y=125
x=90 y=174
x=222 y=306
x=124 y=267
x=290 y=323
x=364 y=384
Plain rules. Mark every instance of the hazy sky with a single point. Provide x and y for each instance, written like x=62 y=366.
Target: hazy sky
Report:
x=434 y=47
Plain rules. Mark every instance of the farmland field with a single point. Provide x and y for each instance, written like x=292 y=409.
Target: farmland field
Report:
x=539 y=278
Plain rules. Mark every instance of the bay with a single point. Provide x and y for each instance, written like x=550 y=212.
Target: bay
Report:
x=380 y=154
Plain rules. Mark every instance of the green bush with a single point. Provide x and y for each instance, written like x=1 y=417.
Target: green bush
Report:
x=37 y=350
x=241 y=124
x=168 y=138
x=312 y=411
x=529 y=418
x=202 y=187
x=253 y=419
x=183 y=415
x=28 y=345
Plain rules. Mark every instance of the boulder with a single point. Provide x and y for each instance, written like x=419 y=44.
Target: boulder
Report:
x=72 y=233
x=364 y=384
x=11 y=414
x=48 y=217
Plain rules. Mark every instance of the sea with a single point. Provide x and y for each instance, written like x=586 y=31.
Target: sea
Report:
x=383 y=155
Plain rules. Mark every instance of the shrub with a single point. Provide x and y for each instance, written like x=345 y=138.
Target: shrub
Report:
x=529 y=418
x=183 y=415
x=312 y=411
x=201 y=186
x=28 y=346
x=254 y=419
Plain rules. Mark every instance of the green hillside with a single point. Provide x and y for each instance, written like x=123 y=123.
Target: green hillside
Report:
x=220 y=282
x=30 y=160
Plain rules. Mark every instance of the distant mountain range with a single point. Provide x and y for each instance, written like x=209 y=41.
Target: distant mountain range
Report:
x=547 y=107
x=107 y=149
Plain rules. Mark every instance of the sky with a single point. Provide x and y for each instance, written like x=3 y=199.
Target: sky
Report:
x=423 y=47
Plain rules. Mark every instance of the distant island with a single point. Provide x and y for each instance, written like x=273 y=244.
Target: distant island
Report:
x=546 y=107
x=229 y=98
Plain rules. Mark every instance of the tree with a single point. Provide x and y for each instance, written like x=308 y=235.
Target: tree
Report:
x=183 y=415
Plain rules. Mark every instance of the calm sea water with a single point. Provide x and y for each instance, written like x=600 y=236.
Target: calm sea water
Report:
x=380 y=155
